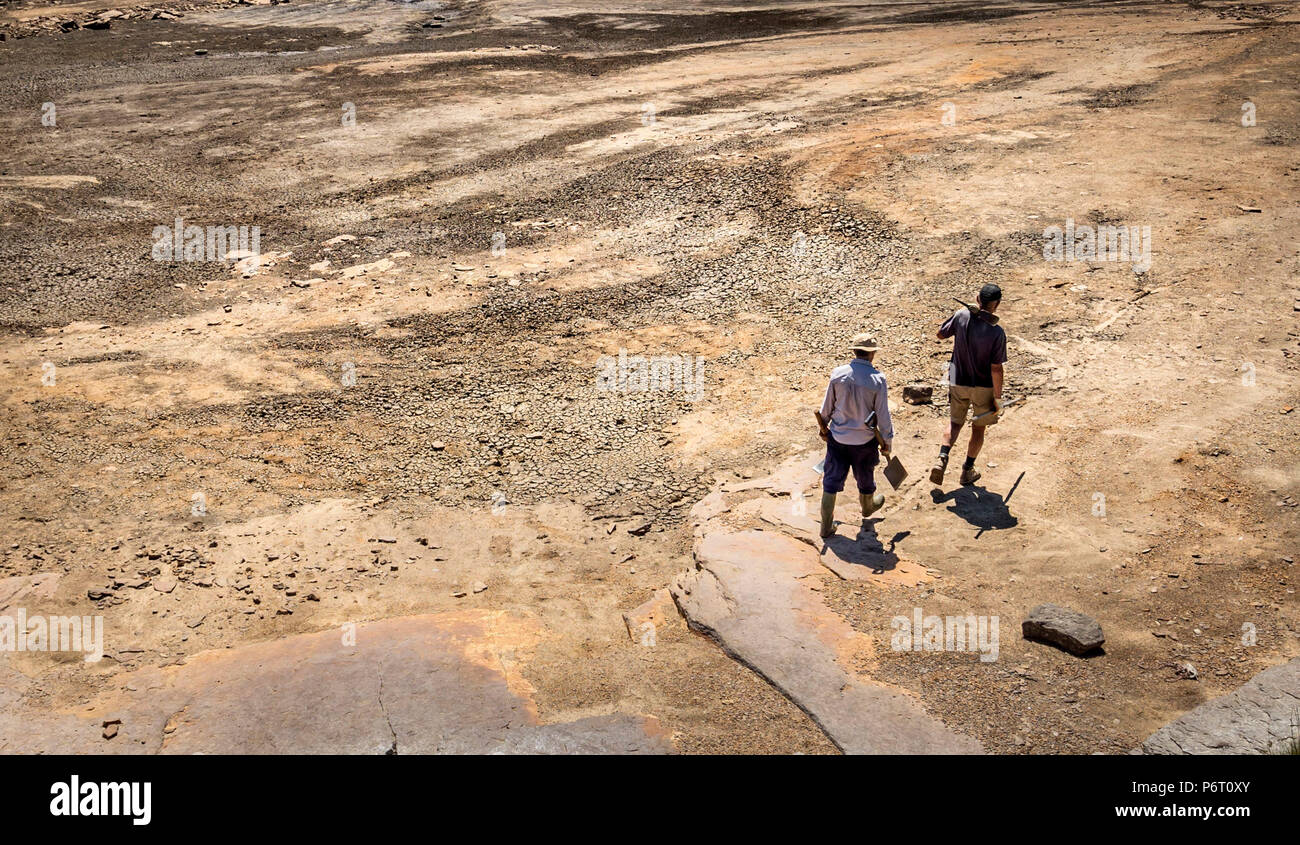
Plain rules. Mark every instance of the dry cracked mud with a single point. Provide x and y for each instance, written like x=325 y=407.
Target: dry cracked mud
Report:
x=388 y=436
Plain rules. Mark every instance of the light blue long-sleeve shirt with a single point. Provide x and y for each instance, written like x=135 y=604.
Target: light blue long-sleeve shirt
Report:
x=855 y=391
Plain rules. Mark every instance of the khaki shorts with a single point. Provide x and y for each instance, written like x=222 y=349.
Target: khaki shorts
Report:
x=976 y=400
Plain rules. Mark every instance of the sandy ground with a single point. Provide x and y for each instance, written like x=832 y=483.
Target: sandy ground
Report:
x=458 y=220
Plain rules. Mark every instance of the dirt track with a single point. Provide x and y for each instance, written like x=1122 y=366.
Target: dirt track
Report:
x=791 y=182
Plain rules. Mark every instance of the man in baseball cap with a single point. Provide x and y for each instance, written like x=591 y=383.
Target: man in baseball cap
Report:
x=854 y=421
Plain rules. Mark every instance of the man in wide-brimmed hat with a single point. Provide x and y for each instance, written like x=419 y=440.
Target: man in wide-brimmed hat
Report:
x=854 y=412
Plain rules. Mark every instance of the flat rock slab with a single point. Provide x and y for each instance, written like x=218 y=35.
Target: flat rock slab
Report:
x=792 y=517
x=1073 y=631
x=794 y=475
x=652 y=618
x=750 y=592
x=707 y=508
x=1256 y=718
x=19 y=588
x=865 y=558
x=432 y=684
x=861 y=557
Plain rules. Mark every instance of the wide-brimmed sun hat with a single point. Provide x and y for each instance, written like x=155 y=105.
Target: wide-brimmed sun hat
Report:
x=864 y=342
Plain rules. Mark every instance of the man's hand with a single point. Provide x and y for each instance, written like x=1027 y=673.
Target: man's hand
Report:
x=823 y=426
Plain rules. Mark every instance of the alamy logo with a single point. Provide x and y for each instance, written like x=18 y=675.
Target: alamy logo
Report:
x=54 y=633
x=213 y=243
x=75 y=798
x=1105 y=243
x=646 y=373
x=968 y=633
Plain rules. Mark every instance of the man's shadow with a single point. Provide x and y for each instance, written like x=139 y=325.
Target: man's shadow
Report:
x=980 y=506
x=865 y=549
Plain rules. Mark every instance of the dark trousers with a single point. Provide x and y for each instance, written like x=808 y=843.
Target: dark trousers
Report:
x=840 y=458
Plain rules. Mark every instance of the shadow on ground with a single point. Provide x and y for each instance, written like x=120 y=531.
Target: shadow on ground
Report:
x=866 y=549
x=980 y=506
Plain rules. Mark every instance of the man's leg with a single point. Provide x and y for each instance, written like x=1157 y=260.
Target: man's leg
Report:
x=969 y=475
x=951 y=435
x=983 y=403
x=864 y=473
x=834 y=470
x=958 y=405
x=828 y=514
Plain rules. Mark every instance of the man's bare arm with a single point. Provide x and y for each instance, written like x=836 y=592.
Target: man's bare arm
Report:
x=997 y=380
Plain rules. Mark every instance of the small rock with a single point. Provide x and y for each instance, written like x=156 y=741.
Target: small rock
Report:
x=479 y=586
x=1073 y=631
x=110 y=728
x=918 y=394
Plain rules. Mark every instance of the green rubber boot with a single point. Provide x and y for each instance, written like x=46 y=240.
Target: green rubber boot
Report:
x=871 y=502
x=828 y=514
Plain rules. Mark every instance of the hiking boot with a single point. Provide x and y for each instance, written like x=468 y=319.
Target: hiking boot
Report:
x=871 y=503
x=970 y=476
x=937 y=471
